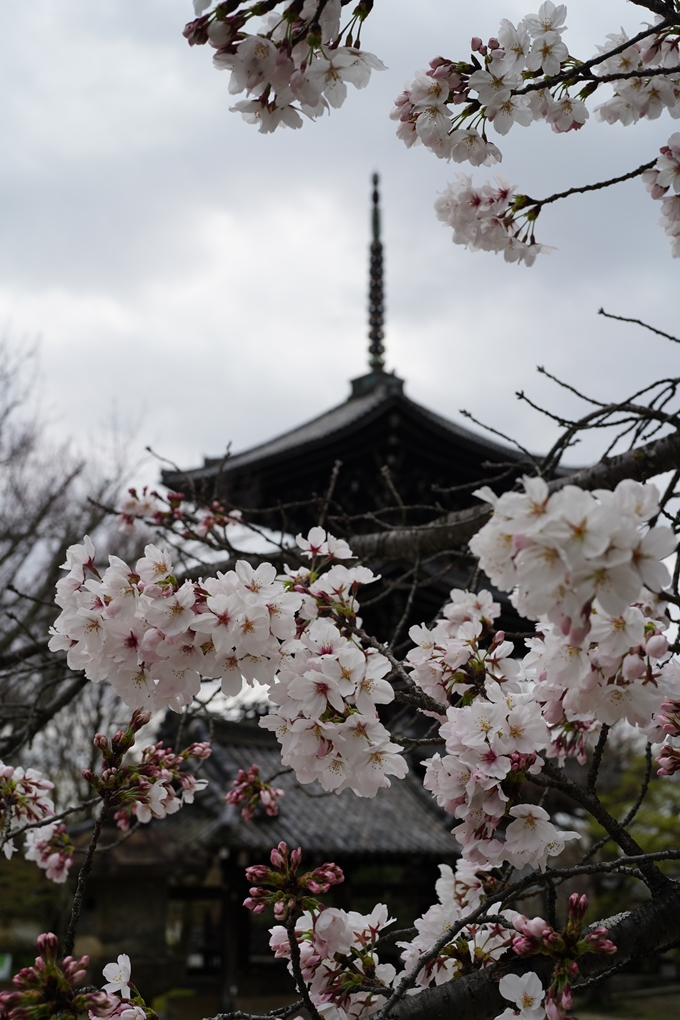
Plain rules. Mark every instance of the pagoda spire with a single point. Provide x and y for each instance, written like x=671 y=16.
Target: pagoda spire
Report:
x=376 y=306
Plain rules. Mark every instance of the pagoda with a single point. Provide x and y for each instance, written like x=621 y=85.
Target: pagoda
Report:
x=390 y=449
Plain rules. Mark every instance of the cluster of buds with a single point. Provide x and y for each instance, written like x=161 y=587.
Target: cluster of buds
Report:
x=572 y=738
x=49 y=988
x=669 y=721
x=151 y=788
x=288 y=894
x=669 y=761
x=24 y=799
x=536 y=937
x=146 y=505
x=250 y=791
x=165 y=511
x=52 y=849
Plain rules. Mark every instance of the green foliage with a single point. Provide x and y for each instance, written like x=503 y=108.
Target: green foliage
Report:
x=656 y=827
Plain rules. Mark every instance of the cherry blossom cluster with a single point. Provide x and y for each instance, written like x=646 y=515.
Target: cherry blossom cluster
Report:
x=667 y=723
x=283 y=889
x=50 y=988
x=562 y=551
x=491 y=747
x=448 y=106
x=617 y=671
x=250 y=790
x=490 y=218
x=338 y=957
x=337 y=948
x=493 y=734
x=663 y=178
x=583 y=565
x=459 y=892
x=535 y=936
x=52 y=849
x=24 y=799
x=326 y=719
x=480 y=945
x=153 y=637
x=638 y=97
x=154 y=787
x=517 y=77
x=297 y=61
x=450 y=658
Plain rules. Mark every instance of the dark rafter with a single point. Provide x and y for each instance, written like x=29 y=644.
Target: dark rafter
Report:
x=376 y=307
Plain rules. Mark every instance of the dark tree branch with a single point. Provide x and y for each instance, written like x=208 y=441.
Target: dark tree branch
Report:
x=14 y=741
x=636 y=934
x=458 y=527
x=538 y=203
x=639 y=322
x=82 y=879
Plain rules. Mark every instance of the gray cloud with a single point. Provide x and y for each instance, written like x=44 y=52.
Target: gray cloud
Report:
x=183 y=268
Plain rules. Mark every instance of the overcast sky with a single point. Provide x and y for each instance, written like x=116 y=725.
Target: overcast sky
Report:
x=201 y=283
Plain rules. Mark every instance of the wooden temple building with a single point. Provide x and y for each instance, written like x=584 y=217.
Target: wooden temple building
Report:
x=171 y=895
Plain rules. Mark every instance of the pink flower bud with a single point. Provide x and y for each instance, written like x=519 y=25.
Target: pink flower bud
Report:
x=633 y=667
x=47 y=945
x=476 y=44
x=493 y=43
x=277 y=860
x=258 y=873
x=656 y=646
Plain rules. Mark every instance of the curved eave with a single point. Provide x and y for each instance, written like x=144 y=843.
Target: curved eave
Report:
x=342 y=421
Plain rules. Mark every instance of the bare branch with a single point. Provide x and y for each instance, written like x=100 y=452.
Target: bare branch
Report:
x=458 y=527
x=639 y=322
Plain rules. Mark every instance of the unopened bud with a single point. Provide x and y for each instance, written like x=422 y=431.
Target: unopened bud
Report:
x=47 y=945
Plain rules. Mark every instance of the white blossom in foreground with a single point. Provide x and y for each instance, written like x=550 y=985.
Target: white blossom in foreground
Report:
x=155 y=639
x=327 y=940
x=458 y=893
x=527 y=994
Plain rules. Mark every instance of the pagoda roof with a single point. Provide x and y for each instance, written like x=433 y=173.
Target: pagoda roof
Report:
x=371 y=396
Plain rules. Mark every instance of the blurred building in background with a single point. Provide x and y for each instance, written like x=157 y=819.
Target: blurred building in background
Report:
x=171 y=895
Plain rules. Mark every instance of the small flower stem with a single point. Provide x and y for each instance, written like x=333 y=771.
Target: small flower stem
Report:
x=83 y=875
x=297 y=969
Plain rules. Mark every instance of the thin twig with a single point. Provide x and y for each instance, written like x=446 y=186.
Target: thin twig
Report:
x=639 y=322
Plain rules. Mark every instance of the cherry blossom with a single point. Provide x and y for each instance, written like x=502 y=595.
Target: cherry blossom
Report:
x=488 y=218
x=526 y=992
x=250 y=790
x=52 y=849
x=24 y=798
x=288 y=67
x=118 y=976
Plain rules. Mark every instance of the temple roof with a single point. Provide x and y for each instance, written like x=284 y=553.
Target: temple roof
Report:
x=371 y=396
x=401 y=819
x=377 y=427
